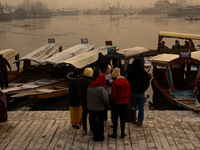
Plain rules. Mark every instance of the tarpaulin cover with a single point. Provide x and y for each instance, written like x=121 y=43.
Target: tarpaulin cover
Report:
x=42 y=53
x=68 y=53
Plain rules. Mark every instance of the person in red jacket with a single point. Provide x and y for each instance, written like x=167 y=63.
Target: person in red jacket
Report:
x=121 y=98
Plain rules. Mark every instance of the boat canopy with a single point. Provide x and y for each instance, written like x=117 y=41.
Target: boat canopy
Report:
x=9 y=53
x=163 y=58
x=68 y=53
x=179 y=35
x=166 y=58
x=41 y=53
x=134 y=51
x=87 y=58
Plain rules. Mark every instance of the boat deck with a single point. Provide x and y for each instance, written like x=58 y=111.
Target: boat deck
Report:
x=52 y=130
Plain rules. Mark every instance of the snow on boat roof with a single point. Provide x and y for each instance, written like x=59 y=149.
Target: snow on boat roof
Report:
x=130 y=52
x=163 y=58
x=87 y=58
x=90 y=57
x=9 y=53
x=68 y=53
x=41 y=53
x=196 y=55
x=179 y=35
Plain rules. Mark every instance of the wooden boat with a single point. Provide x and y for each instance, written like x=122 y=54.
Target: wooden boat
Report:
x=175 y=81
x=174 y=35
x=9 y=54
x=52 y=91
x=192 y=18
x=21 y=87
x=30 y=61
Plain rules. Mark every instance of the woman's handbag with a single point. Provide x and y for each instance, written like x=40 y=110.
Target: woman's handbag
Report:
x=130 y=115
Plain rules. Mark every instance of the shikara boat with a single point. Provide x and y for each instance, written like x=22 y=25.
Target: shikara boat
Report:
x=30 y=61
x=52 y=91
x=9 y=54
x=171 y=37
x=176 y=80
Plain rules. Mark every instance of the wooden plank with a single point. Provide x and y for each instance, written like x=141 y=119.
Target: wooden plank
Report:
x=71 y=137
x=186 y=142
x=12 y=134
x=133 y=136
x=62 y=140
x=57 y=134
x=44 y=135
x=24 y=135
x=18 y=135
x=127 y=140
x=35 y=129
x=161 y=134
x=49 y=135
x=151 y=130
x=7 y=129
x=176 y=136
x=38 y=133
x=191 y=135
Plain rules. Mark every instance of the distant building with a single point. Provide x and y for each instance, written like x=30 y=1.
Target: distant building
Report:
x=19 y=14
x=163 y=6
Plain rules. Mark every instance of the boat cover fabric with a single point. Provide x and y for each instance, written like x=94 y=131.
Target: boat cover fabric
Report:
x=41 y=53
x=9 y=53
x=3 y=107
x=87 y=58
x=68 y=53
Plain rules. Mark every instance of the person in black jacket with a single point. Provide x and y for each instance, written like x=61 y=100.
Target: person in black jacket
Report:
x=82 y=85
x=139 y=81
x=3 y=71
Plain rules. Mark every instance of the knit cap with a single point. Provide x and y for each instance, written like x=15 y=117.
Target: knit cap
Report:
x=116 y=73
x=88 y=72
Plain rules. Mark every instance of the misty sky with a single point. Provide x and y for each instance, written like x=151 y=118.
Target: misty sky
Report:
x=95 y=3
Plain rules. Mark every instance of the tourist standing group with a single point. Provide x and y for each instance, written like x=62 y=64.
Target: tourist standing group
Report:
x=89 y=95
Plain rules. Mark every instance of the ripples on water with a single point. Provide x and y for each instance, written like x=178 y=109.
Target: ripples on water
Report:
x=138 y=30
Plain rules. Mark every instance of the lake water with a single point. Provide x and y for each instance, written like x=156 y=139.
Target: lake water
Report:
x=125 y=32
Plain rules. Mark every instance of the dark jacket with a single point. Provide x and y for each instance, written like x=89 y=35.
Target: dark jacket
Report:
x=121 y=91
x=73 y=96
x=138 y=78
x=82 y=86
x=3 y=63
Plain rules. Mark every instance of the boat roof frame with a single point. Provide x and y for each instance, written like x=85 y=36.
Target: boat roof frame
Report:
x=178 y=35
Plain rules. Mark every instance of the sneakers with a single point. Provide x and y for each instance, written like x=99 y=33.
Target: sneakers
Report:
x=114 y=136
